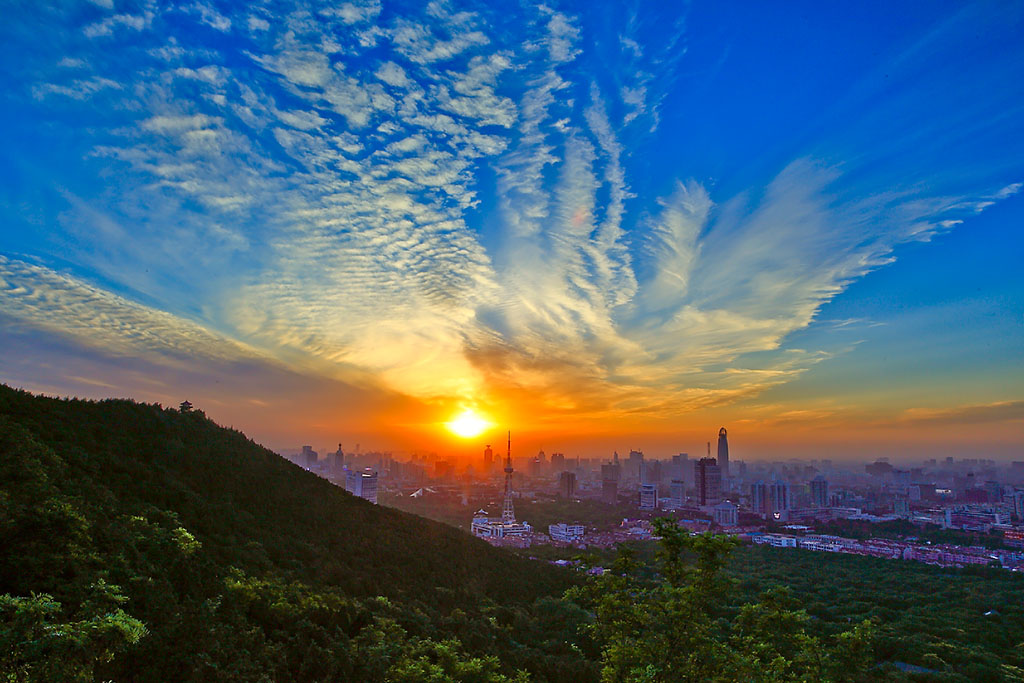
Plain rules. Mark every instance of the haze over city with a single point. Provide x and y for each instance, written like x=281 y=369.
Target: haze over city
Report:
x=604 y=227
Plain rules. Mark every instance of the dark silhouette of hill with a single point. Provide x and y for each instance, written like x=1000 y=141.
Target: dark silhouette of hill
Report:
x=218 y=546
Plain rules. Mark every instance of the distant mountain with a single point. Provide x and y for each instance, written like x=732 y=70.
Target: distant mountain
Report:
x=176 y=549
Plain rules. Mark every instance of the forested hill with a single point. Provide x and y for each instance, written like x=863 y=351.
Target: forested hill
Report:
x=184 y=539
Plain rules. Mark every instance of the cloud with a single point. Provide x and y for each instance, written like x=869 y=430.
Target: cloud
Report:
x=67 y=306
x=444 y=202
x=1004 y=411
x=108 y=25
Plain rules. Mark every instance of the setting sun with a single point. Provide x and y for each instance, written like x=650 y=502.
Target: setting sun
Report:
x=467 y=424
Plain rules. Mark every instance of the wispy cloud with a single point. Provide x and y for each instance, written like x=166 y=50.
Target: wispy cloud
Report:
x=67 y=306
x=1002 y=411
x=445 y=204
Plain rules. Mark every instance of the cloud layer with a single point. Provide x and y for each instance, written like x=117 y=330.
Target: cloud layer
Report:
x=442 y=202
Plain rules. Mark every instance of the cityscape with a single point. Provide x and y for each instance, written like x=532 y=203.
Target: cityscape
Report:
x=782 y=504
x=383 y=341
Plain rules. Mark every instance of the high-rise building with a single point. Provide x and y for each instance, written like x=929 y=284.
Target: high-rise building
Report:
x=567 y=484
x=443 y=469
x=707 y=480
x=488 y=458
x=1018 y=505
x=759 y=497
x=677 y=493
x=557 y=462
x=362 y=483
x=610 y=491
x=610 y=482
x=535 y=467
x=648 y=497
x=650 y=472
x=634 y=465
x=778 y=496
x=679 y=463
x=336 y=462
x=819 y=492
x=309 y=456
x=723 y=452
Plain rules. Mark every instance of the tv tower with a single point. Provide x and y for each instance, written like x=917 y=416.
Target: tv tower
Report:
x=508 y=513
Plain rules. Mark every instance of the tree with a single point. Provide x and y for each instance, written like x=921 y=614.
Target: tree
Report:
x=39 y=644
x=682 y=625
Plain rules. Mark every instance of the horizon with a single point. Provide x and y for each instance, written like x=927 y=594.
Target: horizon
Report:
x=603 y=228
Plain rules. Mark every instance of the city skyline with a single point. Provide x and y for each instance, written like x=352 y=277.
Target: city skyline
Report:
x=600 y=227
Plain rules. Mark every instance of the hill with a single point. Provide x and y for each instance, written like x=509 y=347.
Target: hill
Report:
x=169 y=548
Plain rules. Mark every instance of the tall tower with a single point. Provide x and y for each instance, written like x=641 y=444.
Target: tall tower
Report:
x=508 y=513
x=723 y=452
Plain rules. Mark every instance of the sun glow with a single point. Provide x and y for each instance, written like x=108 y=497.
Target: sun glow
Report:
x=467 y=424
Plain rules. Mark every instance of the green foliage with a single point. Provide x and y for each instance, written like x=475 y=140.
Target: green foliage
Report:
x=922 y=616
x=149 y=544
x=38 y=643
x=902 y=529
x=683 y=625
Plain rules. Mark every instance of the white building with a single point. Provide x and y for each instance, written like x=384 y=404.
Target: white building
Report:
x=566 y=533
x=726 y=514
x=493 y=527
x=648 y=497
x=362 y=483
x=776 y=540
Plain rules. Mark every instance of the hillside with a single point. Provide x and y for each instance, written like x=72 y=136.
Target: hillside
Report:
x=220 y=547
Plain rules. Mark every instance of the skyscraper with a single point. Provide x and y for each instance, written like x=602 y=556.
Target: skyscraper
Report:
x=819 y=492
x=610 y=482
x=309 y=456
x=759 y=497
x=567 y=484
x=557 y=462
x=677 y=493
x=707 y=479
x=634 y=465
x=723 y=452
x=1018 y=504
x=778 y=496
x=362 y=483
x=336 y=462
x=488 y=458
x=648 y=497
x=679 y=463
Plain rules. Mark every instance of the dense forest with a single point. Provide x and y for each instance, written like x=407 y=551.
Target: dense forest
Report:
x=143 y=543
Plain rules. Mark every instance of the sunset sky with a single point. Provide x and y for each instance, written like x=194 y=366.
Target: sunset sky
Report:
x=602 y=225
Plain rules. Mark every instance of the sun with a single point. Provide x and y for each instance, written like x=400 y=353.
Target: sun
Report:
x=467 y=424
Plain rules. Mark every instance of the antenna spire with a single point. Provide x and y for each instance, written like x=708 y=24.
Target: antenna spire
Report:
x=508 y=514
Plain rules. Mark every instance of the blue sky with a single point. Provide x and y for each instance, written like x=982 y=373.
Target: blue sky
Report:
x=585 y=218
